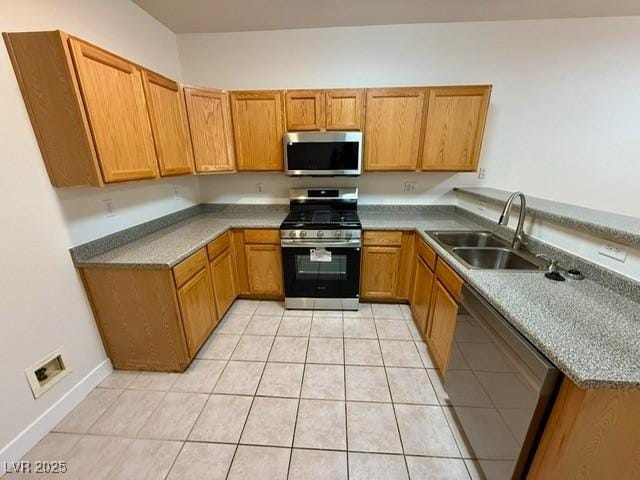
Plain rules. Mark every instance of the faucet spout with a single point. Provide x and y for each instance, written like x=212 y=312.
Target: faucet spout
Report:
x=518 y=237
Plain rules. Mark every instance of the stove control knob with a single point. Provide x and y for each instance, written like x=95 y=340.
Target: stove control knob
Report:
x=338 y=234
x=320 y=234
x=303 y=234
x=347 y=235
x=292 y=234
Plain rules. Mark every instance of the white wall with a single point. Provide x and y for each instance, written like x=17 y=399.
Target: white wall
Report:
x=42 y=303
x=565 y=108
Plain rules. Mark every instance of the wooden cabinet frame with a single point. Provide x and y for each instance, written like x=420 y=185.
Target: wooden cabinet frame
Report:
x=169 y=125
x=258 y=130
x=304 y=110
x=393 y=136
x=210 y=129
x=451 y=130
x=125 y=147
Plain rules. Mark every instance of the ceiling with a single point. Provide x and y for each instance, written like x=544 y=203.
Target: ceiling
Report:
x=208 y=16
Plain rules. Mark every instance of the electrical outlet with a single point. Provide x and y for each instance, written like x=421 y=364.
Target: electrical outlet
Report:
x=481 y=173
x=108 y=206
x=409 y=187
x=615 y=251
x=482 y=206
x=259 y=187
x=176 y=193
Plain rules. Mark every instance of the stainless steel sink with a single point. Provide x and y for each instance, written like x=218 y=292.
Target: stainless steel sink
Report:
x=484 y=250
x=494 y=259
x=470 y=239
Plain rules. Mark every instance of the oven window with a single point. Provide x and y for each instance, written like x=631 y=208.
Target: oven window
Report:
x=333 y=270
x=338 y=278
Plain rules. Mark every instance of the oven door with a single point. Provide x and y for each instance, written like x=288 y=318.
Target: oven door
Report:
x=323 y=153
x=316 y=270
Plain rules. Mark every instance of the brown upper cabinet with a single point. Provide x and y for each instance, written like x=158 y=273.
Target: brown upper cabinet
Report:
x=87 y=107
x=211 y=131
x=258 y=128
x=169 y=124
x=305 y=110
x=392 y=128
x=454 y=127
x=117 y=112
x=337 y=109
x=344 y=109
x=99 y=119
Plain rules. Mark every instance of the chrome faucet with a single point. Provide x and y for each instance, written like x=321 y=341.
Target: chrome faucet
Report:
x=518 y=236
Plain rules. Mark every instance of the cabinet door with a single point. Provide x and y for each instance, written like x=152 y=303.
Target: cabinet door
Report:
x=211 y=132
x=305 y=110
x=224 y=284
x=197 y=307
x=344 y=109
x=442 y=325
x=264 y=270
x=117 y=111
x=392 y=128
x=257 y=129
x=421 y=294
x=454 y=128
x=379 y=275
x=168 y=124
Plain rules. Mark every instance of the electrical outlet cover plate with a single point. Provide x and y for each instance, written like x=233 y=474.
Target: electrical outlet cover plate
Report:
x=615 y=251
x=409 y=187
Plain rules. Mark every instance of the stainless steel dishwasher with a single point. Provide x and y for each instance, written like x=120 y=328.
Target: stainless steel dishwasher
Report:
x=499 y=387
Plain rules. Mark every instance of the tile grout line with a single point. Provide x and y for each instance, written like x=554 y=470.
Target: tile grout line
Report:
x=442 y=407
x=295 y=423
x=393 y=407
x=252 y=400
x=204 y=405
x=346 y=421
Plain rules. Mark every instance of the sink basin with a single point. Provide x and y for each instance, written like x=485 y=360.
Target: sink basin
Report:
x=469 y=239
x=494 y=259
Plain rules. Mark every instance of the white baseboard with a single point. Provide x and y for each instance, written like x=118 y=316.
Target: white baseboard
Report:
x=27 y=439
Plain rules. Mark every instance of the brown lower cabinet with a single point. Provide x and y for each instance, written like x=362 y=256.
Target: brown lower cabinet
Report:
x=434 y=302
x=223 y=272
x=590 y=434
x=441 y=325
x=386 y=265
x=263 y=260
x=158 y=319
x=197 y=308
x=421 y=294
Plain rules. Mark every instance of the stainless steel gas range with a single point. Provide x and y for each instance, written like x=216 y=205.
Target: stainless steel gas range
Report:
x=321 y=243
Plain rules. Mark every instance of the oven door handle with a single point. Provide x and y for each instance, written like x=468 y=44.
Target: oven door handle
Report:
x=284 y=243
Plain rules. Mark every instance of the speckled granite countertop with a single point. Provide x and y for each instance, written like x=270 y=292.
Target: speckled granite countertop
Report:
x=591 y=333
x=169 y=246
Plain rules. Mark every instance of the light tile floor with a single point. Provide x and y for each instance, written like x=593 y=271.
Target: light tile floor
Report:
x=273 y=394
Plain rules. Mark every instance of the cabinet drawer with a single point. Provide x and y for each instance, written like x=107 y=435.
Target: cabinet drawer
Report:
x=262 y=236
x=189 y=267
x=219 y=245
x=382 y=238
x=427 y=254
x=450 y=279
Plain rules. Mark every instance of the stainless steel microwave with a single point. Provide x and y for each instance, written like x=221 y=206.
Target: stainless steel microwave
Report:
x=323 y=154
